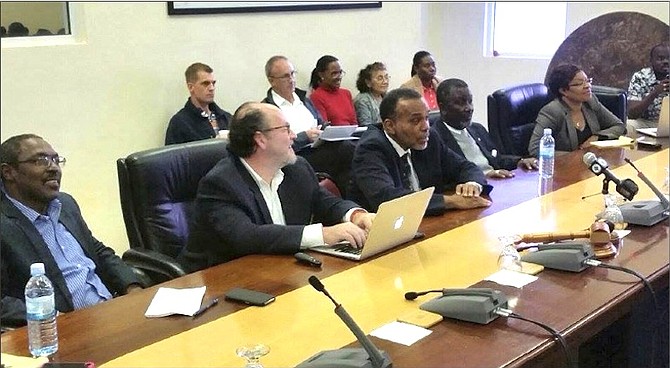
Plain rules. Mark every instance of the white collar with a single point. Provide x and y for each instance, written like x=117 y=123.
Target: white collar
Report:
x=399 y=150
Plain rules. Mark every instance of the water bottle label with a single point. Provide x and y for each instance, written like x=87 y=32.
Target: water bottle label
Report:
x=40 y=306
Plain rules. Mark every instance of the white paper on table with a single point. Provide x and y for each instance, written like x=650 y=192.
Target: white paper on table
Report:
x=338 y=133
x=168 y=301
x=401 y=332
x=511 y=278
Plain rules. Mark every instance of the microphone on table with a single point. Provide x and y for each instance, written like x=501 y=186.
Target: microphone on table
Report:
x=627 y=188
x=651 y=185
x=369 y=356
x=478 y=305
x=649 y=212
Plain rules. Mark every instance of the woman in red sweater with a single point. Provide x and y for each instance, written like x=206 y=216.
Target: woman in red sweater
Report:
x=335 y=104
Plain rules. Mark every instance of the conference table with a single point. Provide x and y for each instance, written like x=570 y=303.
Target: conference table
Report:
x=460 y=250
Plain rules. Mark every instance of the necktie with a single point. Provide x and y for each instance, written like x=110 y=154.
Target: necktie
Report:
x=406 y=171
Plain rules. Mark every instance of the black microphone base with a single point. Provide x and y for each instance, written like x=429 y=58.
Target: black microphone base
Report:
x=645 y=213
x=344 y=358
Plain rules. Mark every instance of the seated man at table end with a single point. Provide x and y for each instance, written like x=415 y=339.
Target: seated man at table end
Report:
x=403 y=155
x=41 y=224
x=469 y=139
x=647 y=88
x=263 y=199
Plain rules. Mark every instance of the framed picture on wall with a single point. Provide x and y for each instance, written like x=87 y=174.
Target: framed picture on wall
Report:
x=217 y=7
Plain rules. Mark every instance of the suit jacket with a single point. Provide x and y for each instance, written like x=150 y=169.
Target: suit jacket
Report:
x=232 y=218
x=23 y=245
x=556 y=115
x=376 y=174
x=484 y=141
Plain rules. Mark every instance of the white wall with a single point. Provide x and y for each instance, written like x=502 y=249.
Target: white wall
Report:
x=112 y=92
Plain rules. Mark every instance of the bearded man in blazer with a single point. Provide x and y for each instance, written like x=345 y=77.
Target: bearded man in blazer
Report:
x=262 y=198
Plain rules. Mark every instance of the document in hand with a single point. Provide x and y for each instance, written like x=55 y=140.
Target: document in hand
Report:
x=336 y=133
x=169 y=301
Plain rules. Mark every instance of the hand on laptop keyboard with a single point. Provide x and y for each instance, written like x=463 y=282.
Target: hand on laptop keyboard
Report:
x=347 y=232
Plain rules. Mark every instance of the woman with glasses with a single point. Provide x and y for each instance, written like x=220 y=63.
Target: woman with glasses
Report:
x=333 y=102
x=575 y=115
x=372 y=83
x=424 y=79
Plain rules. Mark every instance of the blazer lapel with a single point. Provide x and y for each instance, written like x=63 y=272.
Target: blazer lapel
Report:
x=255 y=192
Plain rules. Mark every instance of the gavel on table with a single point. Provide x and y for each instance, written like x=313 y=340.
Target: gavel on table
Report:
x=598 y=234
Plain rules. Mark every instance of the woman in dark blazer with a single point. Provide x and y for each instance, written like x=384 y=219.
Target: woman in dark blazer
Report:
x=575 y=115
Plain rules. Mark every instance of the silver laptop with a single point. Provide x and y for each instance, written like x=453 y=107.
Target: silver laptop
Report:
x=396 y=222
x=663 y=129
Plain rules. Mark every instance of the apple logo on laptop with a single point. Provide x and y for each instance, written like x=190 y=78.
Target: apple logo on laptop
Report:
x=398 y=222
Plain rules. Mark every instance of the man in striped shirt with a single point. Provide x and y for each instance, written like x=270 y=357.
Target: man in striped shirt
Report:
x=41 y=224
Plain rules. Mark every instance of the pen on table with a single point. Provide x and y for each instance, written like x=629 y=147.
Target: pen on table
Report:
x=205 y=307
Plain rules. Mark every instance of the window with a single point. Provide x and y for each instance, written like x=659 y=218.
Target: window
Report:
x=524 y=30
x=21 y=19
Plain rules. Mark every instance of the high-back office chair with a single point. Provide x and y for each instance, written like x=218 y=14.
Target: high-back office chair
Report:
x=614 y=99
x=512 y=113
x=157 y=189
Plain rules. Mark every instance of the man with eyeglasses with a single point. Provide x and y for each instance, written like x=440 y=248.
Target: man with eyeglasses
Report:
x=200 y=118
x=648 y=87
x=41 y=224
x=333 y=158
x=263 y=199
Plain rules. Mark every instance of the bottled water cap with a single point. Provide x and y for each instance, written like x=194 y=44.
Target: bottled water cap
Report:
x=547 y=131
x=36 y=269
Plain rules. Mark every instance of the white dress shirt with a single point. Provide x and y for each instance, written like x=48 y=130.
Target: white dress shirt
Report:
x=414 y=179
x=312 y=235
x=297 y=114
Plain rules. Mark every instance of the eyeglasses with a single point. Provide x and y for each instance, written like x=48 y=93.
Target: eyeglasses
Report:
x=340 y=73
x=287 y=127
x=45 y=161
x=381 y=78
x=581 y=83
x=286 y=77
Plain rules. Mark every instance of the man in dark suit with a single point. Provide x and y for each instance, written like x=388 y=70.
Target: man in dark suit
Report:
x=262 y=198
x=381 y=171
x=41 y=224
x=471 y=140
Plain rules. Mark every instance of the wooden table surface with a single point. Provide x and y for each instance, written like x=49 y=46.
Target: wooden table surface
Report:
x=109 y=330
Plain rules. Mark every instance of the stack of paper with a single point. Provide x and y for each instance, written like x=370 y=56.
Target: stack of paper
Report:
x=168 y=301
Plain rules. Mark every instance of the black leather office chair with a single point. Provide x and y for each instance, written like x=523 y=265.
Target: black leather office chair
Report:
x=512 y=113
x=157 y=189
x=614 y=99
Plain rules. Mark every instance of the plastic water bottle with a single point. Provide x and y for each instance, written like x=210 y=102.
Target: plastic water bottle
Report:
x=546 y=158
x=41 y=313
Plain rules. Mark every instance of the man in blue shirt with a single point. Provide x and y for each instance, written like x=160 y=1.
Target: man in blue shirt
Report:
x=41 y=224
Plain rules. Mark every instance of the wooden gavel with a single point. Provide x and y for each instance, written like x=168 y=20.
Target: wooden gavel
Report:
x=598 y=233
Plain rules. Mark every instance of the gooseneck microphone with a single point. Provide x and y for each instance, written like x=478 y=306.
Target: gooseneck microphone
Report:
x=369 y=356
x=627 y=188
x=411 y=295
x=651 y=185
